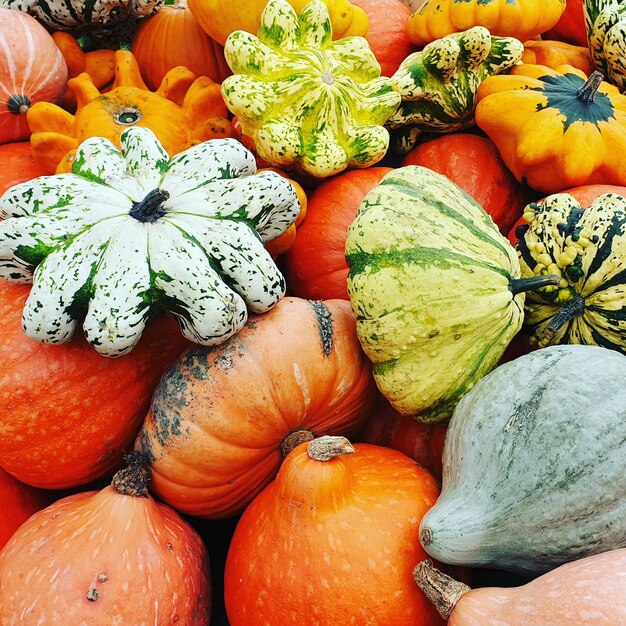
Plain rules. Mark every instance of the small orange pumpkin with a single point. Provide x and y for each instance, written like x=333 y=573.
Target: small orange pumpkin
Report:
x=555 y=53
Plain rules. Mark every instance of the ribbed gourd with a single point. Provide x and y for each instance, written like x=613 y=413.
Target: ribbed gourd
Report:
x=134 y=231
x=435 y=288
x=308 y=102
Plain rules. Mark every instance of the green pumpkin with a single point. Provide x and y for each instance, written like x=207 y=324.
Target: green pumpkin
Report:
x=438 y=85
x=307 y=101
x=435 y=290
x=587 y=250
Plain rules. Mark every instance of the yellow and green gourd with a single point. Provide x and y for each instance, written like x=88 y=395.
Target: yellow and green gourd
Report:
x=308 y=102
x=435 y=289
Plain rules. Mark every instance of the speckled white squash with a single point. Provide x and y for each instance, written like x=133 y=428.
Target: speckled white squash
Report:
x=306 y=100
x=133 y=231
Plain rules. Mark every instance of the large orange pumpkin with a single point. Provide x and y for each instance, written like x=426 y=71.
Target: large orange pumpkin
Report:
x=315 y=265
x=17 y=165
x=333 y=540
x=222 y=418
x=67 y=412
x=106 y=557
x=31 y=70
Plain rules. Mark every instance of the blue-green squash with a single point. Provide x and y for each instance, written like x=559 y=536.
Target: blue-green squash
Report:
x=533 y=467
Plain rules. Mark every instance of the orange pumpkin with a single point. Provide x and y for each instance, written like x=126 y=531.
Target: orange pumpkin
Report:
x=222 y=418
x=555 y=53
x=31 y=70
x=106 y=557
x=17 y=165
x=173 y=37
x=67 y=413
x=333 y=540
x=571 y=25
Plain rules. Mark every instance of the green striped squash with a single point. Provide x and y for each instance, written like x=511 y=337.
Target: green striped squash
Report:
x=587 y=250
x=435 y=289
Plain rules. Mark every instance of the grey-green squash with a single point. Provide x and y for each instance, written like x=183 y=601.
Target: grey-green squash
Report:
x=435 y=290
x=533 y=464
x=131 y=232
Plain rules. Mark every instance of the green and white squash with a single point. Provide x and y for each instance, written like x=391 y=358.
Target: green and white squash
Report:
x=134 y=231
x=71 y=14
x=435 y=290
x=438 y=85
x=307 y=101
x=533 y=465
x=587 y=249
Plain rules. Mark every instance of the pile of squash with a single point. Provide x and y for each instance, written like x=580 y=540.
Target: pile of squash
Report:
x=313 y=312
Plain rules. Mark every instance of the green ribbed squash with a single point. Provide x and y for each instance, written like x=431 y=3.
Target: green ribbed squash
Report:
x=435 y=289
x=587 y=249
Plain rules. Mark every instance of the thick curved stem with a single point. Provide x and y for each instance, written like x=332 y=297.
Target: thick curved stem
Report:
x=519 y=285
x=442 y=590
x=588 y=91
x=572 y=308
x=150 y=209
x=133 y=480
x=329 y=447
x=294 y=439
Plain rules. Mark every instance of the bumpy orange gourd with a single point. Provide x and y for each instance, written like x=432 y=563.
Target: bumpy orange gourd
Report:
x=555 y=53
x=332 y=540
x=183 y=111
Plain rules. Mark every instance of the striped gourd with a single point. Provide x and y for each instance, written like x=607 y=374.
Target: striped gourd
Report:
x=587 y=249
x=306 y=100
x=435 y=289
x=130 y=232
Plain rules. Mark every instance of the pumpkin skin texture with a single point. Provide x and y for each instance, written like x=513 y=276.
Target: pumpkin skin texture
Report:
x=320 y=522
x=545 y=486
x=539 y=117
x=68 y=413
x=123 y=559
x=556 y=53
x=571 y=25
x=17 y=165
x=522 y=19
x=234 y=428
x=474 y=164
x=31 y=70
x=306 y=101
x=316 y=265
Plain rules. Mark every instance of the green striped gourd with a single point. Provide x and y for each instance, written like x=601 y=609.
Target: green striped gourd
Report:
x=134 y=231
x=435 y=290
x=438 y=85
x=533 y=466
x=306 y=100
x=587 y=249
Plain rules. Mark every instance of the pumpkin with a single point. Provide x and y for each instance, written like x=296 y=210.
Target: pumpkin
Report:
x=522 y=19
x=533 y=464
x=474 y=164
x=185 y=110
x=315 y=265
x=219 y=18
x=339 y=511
x=17 y=165
x=119 y=555
x=387 y=34
x=539 y=118
x=31 y=70
x=19 y=502
x=68 y=413
x=556 y=53
x=438 y=84
x=173 y=37
x=590 y=591
x=305 y=100
x=571 y=25
x=134 y=231
x=435 y=289
x=238 y=409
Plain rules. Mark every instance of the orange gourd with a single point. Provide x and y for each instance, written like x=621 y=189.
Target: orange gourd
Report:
x=173 y=37
x=17 y=165
x=571 y=25
x=31 y=70
x=332 y=540
x=67 y=413
x=106 y=557
x=222 y=418
x=555 y=53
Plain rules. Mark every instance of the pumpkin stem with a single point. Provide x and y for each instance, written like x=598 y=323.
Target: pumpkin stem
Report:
x=442 y=590
x=133 y=480
x=519 y=285
x=329 y=447
x=588 y=91
x=150 y=209
x=294 y=439
x=572 y=308
x=18 y=105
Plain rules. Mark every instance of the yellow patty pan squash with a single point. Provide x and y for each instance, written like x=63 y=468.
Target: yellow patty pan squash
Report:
x=522 y=19
x=308 y=102
x=219 y=18
x=555 y=129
